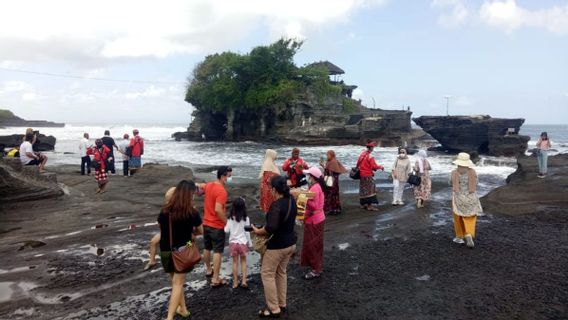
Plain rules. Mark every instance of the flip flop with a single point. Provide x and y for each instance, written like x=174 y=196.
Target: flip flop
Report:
x=244 y=286
x=183 y=315
x=149 y=266
x=219 y=284
x=209 y=275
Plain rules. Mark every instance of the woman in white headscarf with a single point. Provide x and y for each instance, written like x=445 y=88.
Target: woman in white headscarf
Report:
x=267 y=171
x=422 y=167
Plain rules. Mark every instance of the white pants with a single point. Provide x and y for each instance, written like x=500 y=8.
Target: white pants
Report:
x=397 y=190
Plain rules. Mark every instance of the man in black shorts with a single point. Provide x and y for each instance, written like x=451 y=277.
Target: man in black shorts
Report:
x=27 y=155
x=214 y=220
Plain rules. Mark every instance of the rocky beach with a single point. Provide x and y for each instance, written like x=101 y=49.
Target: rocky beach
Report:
x=80 y=256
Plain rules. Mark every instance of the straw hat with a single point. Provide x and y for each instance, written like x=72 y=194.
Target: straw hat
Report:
x=313 y=171
x=464 y=160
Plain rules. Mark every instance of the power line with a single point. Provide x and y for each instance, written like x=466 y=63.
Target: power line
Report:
x=88 y=78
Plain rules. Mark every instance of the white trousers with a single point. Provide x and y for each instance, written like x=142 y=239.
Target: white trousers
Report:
x=398 y=190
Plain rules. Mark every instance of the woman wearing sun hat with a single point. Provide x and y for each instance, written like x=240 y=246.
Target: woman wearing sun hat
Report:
x=314 y=219
x=465 y=202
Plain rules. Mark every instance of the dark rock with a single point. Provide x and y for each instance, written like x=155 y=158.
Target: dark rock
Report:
x=481 y=134
x=8 y=119
x=19 y=183
x=525 y=193
x=43 y=143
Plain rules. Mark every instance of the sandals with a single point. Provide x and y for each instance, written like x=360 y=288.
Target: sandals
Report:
x=183 y=315
x=222 y=282
x=209 y=275
x=311 y=275
x=149 y=266
x=266 y=313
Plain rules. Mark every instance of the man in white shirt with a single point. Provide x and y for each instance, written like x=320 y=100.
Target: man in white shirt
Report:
x=84 y=145
x=122 y=145
x=27 y=155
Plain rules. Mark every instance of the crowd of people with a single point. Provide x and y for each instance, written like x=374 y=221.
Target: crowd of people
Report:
x=101 y=157
x=280 y=189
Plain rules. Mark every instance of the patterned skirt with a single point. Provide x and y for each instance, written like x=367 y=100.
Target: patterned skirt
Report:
x=101 y=176
x=367 y=191
x=331 y=196
x=312 y=248
x=424 y=190
x=266 y=197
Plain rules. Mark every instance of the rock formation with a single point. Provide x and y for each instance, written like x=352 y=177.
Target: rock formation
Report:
x=44 y=143
x=335 y=119
x=527 y=194
x=476 y=134
x=8 y=119
x=23 y=183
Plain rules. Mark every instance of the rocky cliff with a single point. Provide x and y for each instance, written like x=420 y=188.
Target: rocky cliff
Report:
x=527 y=194
x=306 y=120
x=476 y=134
x=8 y=119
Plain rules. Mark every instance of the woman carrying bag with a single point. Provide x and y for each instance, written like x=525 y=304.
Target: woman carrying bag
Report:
x=280 y=222
x=179 y=223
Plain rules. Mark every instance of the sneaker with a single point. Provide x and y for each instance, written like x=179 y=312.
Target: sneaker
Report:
x=469 y=241
x=542 y=176
x=394 y=203
x=458 y=240
x=400 y=203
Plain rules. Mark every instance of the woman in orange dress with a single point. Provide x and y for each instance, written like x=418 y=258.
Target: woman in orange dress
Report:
x=267 y=171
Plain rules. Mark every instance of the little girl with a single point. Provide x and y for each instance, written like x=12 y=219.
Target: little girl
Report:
x=239 y=240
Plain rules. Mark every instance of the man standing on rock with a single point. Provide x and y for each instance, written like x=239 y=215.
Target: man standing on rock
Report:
x=84 y=146
x=108 y=141
x=214 y=220
x=137 y=150
x=122 y=145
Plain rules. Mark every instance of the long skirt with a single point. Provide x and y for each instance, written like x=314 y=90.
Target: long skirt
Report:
x=266 y=197
x=367 y=191
x=101 y=177
x=312 y=248
x=331 y=196
x=424 y=190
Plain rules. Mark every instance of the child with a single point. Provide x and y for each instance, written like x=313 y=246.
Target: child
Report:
x=239 y=240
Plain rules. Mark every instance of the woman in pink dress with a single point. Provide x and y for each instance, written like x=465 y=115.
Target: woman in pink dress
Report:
x=312 y=248
x=267 y=171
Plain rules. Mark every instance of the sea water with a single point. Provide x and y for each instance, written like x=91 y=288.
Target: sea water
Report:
x=246 y=157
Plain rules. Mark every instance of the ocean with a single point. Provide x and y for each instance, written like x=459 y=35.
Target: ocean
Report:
x=246 y=157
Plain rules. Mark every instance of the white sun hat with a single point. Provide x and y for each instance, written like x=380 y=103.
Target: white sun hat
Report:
x=464 y=160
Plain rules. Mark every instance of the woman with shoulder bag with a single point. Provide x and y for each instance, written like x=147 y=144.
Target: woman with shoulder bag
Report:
x=367 y=189
x=280 y=222
x=333 y=168
x=179 y=223
x=423 y=192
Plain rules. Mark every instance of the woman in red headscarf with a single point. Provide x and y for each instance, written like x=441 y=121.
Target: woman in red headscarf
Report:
x=333 y=168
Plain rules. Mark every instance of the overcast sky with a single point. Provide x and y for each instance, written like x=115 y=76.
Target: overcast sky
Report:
x=505 y=58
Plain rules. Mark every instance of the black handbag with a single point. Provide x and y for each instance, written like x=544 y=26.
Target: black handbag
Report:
x=414 y=179
x=355 y=173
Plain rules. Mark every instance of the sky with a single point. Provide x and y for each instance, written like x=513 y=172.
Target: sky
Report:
x=129 y=61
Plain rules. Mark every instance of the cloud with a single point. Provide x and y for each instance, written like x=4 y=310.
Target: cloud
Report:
x=91 y=31
x=456 y=16
x=508 y=16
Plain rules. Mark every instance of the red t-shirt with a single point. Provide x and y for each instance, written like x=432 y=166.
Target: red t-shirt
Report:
x=137 y=144
x=214 y=193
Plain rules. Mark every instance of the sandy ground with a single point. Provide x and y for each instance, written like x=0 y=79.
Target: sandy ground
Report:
x=81 y=257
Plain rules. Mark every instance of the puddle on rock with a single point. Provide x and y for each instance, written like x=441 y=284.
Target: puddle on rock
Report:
x=343 y=246
x=423 y=278
x=18 y=269
x=99 y=226
x=32 y=244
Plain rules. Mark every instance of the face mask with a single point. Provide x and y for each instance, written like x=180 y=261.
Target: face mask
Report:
x=229 y=179
x=402 y=156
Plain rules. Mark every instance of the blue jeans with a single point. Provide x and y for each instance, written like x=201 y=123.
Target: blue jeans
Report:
x=543 y=161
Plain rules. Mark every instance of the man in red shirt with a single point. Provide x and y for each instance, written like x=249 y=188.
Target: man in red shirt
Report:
x=294 y=167
x=137 y=147
x=214 y=220
x=367 y=167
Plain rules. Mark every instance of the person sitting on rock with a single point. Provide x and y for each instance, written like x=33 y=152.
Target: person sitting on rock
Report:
x=30 y=158
x=293 y=167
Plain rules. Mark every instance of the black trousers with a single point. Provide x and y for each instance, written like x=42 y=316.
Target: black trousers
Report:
x=86 y=160
x=125 y=167
x=110 y=164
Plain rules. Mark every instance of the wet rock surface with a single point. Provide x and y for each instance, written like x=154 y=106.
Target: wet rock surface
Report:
x=25 y=183
x=525 y=193
x=398 y=263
